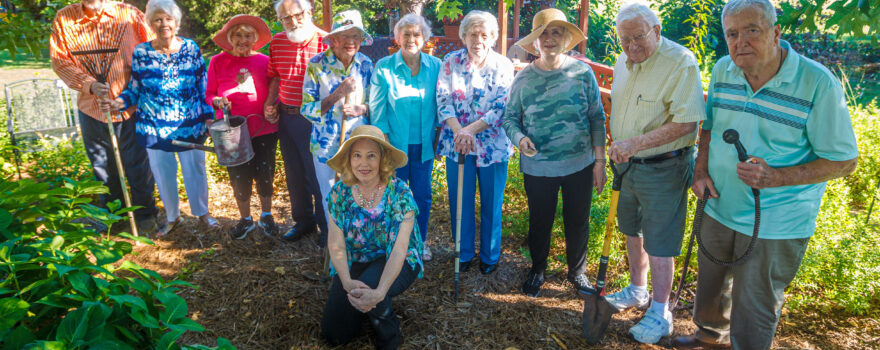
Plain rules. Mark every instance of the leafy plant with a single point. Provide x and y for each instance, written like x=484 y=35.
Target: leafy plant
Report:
x=448 y=10
x=858 y=18
x=65 y=287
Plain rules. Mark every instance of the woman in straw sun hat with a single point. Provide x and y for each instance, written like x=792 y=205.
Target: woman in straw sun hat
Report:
x=555 y=117
x=239 y=83
x=374 y=243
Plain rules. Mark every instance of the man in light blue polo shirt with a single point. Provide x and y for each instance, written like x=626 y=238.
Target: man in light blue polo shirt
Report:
x=792 y=118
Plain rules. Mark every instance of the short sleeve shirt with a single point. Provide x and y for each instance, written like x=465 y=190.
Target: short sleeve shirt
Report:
x=798 y=116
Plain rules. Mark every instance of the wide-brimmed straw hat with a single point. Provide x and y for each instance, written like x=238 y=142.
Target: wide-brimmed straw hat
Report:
x=264 y=35
x=544 y=19
x=346 y=20
x=398 y=157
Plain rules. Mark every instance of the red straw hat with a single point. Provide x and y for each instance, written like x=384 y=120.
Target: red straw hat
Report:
x=264 y=35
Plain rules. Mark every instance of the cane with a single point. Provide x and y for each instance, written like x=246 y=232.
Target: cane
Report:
x=458 y=196
x=341 y=140
x=101 y=76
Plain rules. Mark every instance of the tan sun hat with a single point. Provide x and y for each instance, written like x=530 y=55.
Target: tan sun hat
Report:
x=264 y=35
x=398 y=158
x=542 y=20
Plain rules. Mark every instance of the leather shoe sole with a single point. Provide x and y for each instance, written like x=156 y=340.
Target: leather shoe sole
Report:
x=691 y=342
x=297 y=233
x=487 y=269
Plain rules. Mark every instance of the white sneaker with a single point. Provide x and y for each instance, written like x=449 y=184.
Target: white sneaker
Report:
x=652 y=327
x=426 y=254
x=627 y=298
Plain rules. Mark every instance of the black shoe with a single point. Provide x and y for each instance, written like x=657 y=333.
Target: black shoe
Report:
x=297 y=233
x=580 y=282
x=487 y=268
x=267 y=223
x=242 y=228
x=463 y=266
x=146 y=227
x=532 y=286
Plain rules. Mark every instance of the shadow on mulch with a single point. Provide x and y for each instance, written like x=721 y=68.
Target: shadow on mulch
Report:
x=263 y=293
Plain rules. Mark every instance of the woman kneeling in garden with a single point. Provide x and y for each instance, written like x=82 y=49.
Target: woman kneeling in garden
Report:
x=374 y=244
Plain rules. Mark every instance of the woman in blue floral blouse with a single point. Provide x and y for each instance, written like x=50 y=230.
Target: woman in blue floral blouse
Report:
x=471 y=97
x=374 y=243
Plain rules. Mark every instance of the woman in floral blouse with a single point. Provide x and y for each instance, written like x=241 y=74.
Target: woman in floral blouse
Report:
x=471 y=96
x=374 y=243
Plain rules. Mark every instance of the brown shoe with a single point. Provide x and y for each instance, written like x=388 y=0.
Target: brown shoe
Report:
x=691 y=342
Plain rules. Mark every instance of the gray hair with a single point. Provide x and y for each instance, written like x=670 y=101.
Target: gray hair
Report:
x=631 y=10
x=168 y=7
x=734 y=7
x=304 y=5
x=412 y=20
x=476 y=18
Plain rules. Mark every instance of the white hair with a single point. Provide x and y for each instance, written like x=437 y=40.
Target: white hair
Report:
x=304 y=5
x=634 y=9
x=412 y=20
x=734 y=7
x=478 y=18
x=168 y=7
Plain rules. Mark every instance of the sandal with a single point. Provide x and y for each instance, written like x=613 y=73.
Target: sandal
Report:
x=167 y=227
x=210 y=221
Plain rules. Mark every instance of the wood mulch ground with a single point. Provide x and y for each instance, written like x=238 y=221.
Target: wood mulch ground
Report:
x=264 y=293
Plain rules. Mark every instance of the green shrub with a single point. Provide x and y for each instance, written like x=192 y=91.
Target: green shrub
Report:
x=66 y=287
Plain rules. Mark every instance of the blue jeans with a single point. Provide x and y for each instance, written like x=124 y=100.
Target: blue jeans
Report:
x=492 y=180
x=418 y=175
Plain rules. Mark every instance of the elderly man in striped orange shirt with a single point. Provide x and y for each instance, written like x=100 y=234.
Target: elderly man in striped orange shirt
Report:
x=656 y=102
x=103 y=24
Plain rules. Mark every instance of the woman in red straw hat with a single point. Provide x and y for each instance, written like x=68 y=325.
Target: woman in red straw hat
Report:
x=238 y=83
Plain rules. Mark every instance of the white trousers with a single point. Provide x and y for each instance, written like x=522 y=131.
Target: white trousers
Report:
x=195 y=180
x=326 y=179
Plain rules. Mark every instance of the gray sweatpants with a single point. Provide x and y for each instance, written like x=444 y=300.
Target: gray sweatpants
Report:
x=740 y=305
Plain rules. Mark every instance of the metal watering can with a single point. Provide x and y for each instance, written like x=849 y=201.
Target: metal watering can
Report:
x=232 y=141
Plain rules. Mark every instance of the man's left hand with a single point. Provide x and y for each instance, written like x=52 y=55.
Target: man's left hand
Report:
x=622 y=151
x=757 y=174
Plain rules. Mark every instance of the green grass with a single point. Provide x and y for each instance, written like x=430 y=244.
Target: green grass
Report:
x=23 y=61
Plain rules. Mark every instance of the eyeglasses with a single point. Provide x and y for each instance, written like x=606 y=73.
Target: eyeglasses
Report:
x=638 y=39
x=299 y=16
x=351 y=37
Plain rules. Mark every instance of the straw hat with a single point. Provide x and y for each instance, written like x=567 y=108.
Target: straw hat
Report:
x=398 y=158
x=346 y=20
x=544 y=19
x=264 y=35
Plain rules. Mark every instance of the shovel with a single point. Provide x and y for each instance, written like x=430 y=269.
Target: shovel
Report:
x=597 y=310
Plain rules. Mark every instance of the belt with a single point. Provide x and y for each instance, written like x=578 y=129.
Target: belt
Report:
x=288 y=108
x=660 y=157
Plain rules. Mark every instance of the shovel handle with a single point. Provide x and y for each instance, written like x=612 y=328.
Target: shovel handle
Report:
x=193 y=146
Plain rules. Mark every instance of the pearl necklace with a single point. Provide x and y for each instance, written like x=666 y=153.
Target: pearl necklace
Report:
x=367 y=202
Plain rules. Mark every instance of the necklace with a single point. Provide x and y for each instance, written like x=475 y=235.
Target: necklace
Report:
x=367 y=202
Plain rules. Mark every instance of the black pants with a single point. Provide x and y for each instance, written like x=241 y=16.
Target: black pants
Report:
x=294 y=135
x=342 y=322
x=577 y=194
x=99 y=149
x=260 y=169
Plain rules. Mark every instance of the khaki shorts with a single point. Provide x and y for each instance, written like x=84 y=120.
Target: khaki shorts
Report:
x=653 y=203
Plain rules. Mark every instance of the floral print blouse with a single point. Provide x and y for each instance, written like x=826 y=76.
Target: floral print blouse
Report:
x=323 y=75
x=370 y=233
x=468 y=94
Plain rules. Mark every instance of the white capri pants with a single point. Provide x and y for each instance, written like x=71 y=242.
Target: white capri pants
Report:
x=326 y=179
x=195 y=180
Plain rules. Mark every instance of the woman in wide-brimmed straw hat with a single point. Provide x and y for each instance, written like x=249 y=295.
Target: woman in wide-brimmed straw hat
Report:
x=374 y=243
x=555 y=117
x=238 y=83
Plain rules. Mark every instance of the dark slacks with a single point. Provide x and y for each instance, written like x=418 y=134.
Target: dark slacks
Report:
x=342 y=322
x=99 y=149
x=260 y=169
x=577 y=194
x=294 y=135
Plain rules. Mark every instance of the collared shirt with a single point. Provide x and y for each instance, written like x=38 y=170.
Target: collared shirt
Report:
x=798 y=116
x=323 y=75
x=288 y=61
x=118 y=25
x=469 y=94
x=561 y=112
x=665 y=88
x=400 y=102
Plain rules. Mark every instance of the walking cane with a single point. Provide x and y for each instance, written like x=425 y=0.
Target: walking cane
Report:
x=101 y=76
x=341 y=140
x=460 y=188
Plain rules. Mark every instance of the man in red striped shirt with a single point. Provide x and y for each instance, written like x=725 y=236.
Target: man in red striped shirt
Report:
x=289 y=54
x=102 y=24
